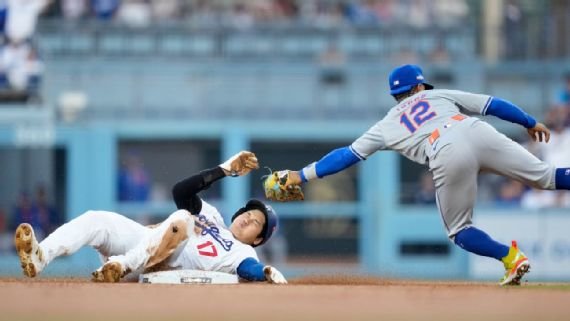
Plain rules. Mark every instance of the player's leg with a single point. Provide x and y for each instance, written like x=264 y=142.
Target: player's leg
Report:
x=163 y=244
x=109 y=233
x=501 y=155
x=455 y=171
x=478 y=242
x=29 y=251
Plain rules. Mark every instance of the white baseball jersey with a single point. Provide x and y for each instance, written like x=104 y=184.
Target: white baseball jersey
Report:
x=407 y=125
x=213 y=247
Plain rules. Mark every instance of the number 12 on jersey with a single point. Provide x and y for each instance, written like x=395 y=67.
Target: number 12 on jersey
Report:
x=419 y=114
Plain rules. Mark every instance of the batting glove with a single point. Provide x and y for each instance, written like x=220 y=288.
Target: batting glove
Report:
x=272 y=275
x=240 y=164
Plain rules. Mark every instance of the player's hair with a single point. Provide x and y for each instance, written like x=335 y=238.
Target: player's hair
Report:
x=401 y=96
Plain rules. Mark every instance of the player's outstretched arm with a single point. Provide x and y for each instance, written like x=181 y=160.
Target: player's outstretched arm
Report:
x=185 y=191
x=252 y=270
x=508 y=111
x=284 y=185
x=539 y=133
x=333 y=162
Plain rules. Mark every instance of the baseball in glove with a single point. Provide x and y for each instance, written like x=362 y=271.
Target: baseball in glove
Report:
x=277 y=186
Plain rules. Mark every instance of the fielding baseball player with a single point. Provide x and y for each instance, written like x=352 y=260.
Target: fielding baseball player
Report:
x=194 y=237
x=435 y=127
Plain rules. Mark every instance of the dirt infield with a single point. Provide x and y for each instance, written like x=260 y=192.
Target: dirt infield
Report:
x=317 y=298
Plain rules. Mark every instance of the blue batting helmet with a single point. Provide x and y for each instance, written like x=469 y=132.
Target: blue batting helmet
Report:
x=405 y=77
x=270 y=217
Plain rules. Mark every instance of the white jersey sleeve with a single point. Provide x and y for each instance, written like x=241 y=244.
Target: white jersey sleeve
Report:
x=468 y=103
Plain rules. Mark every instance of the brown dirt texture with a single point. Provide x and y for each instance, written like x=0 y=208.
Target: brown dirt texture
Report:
x=326 y=298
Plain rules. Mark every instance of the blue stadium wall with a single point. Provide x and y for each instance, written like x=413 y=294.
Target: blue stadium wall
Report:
x=385 y=224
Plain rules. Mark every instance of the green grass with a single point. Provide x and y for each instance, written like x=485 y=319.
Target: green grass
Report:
x=543 y=286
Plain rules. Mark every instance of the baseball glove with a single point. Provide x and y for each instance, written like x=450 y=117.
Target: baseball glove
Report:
x=277 y=188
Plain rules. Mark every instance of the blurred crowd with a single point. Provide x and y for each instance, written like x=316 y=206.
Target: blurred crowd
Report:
x=20 y=65
x=37 y=210
x=243 y=14
x=134 y=183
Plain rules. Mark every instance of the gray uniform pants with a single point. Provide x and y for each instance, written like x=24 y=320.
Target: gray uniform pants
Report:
x=469 y=147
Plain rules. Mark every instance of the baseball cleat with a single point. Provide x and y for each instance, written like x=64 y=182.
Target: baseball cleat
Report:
x=516 y=266
x=110 y=272
x=29 y=251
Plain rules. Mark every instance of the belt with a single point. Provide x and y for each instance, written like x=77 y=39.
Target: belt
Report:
x=435 y=134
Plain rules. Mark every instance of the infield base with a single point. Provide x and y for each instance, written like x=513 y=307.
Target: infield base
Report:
x=188 y=277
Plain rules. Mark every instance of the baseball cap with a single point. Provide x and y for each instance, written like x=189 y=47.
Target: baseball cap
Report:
x=405 y=78
x=270 y=217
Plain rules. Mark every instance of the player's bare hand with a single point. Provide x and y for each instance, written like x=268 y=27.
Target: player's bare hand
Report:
x=272 y=275
x=240 y=164
x=293 y=180
x=539 y=133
